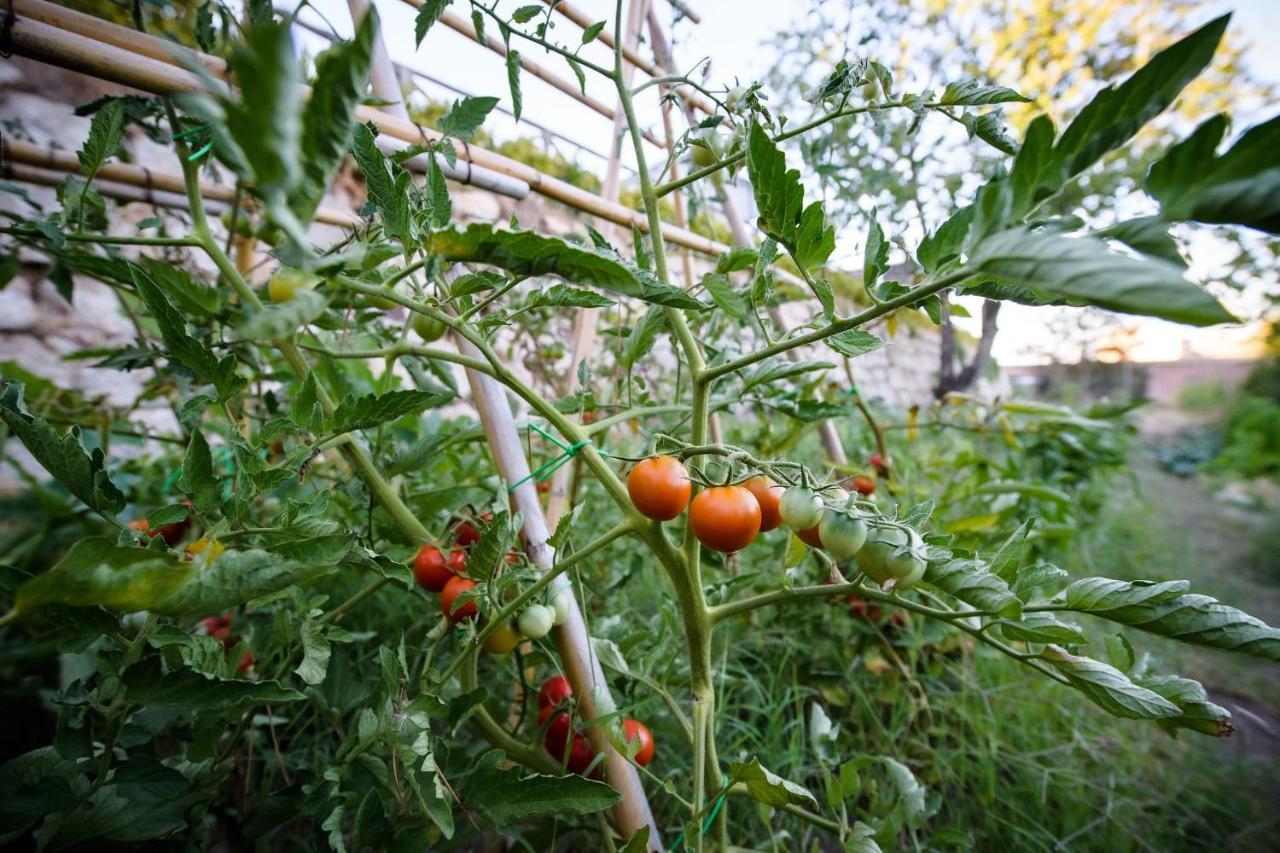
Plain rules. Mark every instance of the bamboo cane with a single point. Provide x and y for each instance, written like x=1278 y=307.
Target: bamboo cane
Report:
x=56 y=46
x=26 y=174
x=572 y=641
x=142 y=179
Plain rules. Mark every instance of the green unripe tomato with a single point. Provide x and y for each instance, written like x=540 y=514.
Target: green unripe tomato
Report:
x=891 y=553
x=801 y=508
x=560 y=604
x=286 y=282
x=379 y=302
x=710 y=152
x=535 y=621
x=842 y=533
x=428 y=328
x=502 y=640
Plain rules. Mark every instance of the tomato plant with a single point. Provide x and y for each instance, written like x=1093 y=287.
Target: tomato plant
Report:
x=254 y=660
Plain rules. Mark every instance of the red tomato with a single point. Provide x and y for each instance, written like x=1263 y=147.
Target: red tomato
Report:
x=725 y=518
x=457 y=562
x=864 y=485
x=876 y=461
x=810 y=537
x=246 y=661
x=466 y=535
x=454 y=588
x=431 y=570
x=139 y=524
x=555 y=692
x=767 y=495
x=580 y=754
x=659 y=487
x=557 y=736
x=636 y=730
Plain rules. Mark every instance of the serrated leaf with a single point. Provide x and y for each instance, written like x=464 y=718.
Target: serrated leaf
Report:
x=1085 y=270
x=429 y=12
x=180 y=346
x=465 y=117
x=1041 y=628
x=642 y=335
x=529 y=254
x=1169 y=610
x=1148 y=235
x=765 y=787
x=508 y=797
x=563 y=296
x=1240 y=187
x=854 y=342
x=1108 y=687
x=315 y=653
x=780 y=198
x=876 y=258
x=513 y=82
x=737 y=258
x=98 y=572
x=342 y=75
x=82 y=474
x=371 y=410
x=282 y=320
x=388 y=184
x=969 y=580
x=971 y=93
x=777 y=369
x=105 y=132
x=198 y=479
x=721 y=291
x=148 y=684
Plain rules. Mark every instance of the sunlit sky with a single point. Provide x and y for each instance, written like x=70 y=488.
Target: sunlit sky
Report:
x=734 y=35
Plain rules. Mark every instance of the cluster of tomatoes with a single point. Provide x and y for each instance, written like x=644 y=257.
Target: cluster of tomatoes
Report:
x=555 y=713
x=219 y=628
x=446 y=575
x=728 y=518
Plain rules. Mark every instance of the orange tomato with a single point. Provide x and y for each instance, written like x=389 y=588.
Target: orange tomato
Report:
x=454 y=588
x=659 y=487
x=767 y=494
x=725 y=518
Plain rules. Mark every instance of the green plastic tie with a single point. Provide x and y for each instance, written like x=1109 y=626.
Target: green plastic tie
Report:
x=549 y=467
x=705 y=824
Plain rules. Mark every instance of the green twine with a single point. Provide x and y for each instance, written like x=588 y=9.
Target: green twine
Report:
x=548 y=468
x=193 y=131
x=715 y=809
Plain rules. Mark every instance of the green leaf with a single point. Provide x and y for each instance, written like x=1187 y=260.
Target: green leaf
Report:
x=525 y=14
x=854 y=342
x=438 y=208
x=1196 y=712
x=1148 y=235
x=1108 y=687
x=643 y=335
x=304 y=411
x=185 y=291
x=282 y=320
x=765 y=787
x=876 y=258
x=780 y=197
x=371 y=410
x=508 y=797
x=97 y=572
x=105 y=132
x=721 y=291
x=315 y=653
x=428 y=13
x=513 y=82
x=1240 y=187
x=387 y=182
x=777 y=369
x=1167 y=609
x=1086 y=271
x=1041 y=628
x=589 y=33
x=198 y=479
x=465 y=117
x=991 y=129
x=147 y=683
x=972 y=93
x=563 y=296
x=1116 y=114
x=180 y=346
x=82 y=474
x=529 y=254
x=945 y=244
x=342 y=75
x=970 y=580
x=910 y=791
x=737 y=258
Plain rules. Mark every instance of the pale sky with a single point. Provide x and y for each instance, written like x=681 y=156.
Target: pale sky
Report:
x=734 y=36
